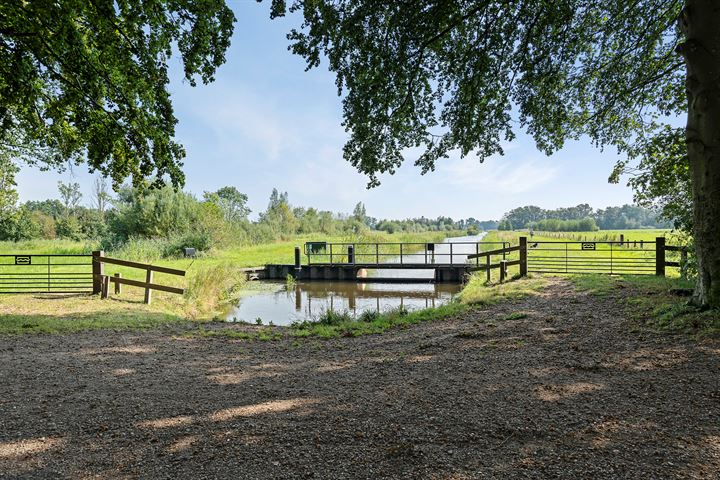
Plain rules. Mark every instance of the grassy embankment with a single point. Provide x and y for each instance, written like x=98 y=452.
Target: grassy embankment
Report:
x=212 y=282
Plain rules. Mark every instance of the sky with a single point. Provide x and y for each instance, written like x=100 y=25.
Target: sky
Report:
x=266 y=123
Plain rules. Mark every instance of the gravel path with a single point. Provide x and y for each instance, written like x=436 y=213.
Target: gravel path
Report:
x=572 y=390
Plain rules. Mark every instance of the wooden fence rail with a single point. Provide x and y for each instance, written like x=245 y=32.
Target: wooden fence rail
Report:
x=101 y=282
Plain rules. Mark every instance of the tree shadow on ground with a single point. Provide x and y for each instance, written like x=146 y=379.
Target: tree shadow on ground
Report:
x=563 y=392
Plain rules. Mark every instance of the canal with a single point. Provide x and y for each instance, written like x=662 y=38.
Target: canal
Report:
x=281 y=303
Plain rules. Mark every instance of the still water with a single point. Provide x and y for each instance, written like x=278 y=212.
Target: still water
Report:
x=276 y=302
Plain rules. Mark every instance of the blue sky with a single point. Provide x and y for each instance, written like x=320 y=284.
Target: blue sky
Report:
x=266 y=123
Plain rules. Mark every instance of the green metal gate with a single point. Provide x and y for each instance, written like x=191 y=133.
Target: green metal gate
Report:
x=46 y=273
x=627 y=257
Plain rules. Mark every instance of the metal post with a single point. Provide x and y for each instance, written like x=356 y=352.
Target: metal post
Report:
x=351 y=254
x=451 y=259
x=523 y=257
x=401 y=254
x=331 y=254
x=97 y=270
x=660 y=256
x=297 y=258
x=377 y=253
x=48 y=273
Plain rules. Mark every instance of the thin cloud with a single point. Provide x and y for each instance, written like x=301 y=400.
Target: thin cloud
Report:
x=497 y=174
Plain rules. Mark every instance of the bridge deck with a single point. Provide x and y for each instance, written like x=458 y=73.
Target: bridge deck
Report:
x=393 y=266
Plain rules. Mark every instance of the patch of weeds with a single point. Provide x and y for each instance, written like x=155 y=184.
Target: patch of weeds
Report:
x=369 y=316
x=478 y=292
x=258 y=321
x=331 y=317
x=267 y=334
x=334 y=324
x=655 y=303
x=516 y=316
x=598 y=285
x=290 y=282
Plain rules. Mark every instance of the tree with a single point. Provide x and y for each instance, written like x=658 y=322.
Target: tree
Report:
x=232 y=203
x=359 y=213
x=70 y=195
x=88 y=80
x=461 y=74
x=8 y=193
x=100 y=195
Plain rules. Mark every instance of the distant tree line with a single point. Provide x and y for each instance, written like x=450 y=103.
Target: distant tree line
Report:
x=582 y=218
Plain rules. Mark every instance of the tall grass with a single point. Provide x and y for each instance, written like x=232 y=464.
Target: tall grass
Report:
x=211 y=289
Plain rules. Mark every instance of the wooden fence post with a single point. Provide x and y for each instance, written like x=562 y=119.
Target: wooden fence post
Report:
x=105 y=292
x=660 y=256
x=148 y=292
x=523 y=257
x=487 y=264
x=118 y=290
x=97 y=271
x=503 y=270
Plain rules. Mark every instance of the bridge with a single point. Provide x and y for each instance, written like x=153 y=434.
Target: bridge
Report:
x=449 y=262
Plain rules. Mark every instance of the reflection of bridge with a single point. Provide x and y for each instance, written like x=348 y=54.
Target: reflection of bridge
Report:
x=328 y=293
x=361 y=290
x=450 y=262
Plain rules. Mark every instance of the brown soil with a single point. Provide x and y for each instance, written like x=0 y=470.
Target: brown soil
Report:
x=573 y=390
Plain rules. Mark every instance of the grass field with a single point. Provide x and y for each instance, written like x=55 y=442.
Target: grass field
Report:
x=212 y=282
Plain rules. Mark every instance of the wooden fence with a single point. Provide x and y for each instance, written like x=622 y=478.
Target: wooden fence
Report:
x=101 y=281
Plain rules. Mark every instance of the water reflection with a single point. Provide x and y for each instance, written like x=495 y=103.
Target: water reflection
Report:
x=276 y=302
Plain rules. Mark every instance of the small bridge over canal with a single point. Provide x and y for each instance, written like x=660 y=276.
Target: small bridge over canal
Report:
x=447 y=262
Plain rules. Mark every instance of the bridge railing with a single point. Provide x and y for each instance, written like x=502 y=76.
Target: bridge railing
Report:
x=395 y=253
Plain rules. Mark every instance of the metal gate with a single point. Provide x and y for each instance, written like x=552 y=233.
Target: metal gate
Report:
x=46 y=274
x=629 y=258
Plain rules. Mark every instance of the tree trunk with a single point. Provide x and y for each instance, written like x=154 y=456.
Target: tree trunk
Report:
x=700 y=21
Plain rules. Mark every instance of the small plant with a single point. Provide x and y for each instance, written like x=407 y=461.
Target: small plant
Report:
x=516 y=316
x=399 y=311
x=331 y=317
x=290 y=282
x=258 y=321
x=369 y=316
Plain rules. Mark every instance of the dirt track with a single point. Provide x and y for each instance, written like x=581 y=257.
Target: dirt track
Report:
x=570 y=391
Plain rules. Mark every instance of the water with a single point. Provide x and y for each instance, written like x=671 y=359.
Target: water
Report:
x=276 y=302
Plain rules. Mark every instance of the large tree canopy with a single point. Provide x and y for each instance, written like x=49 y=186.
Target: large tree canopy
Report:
x=86 y=80
x=466 y=75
